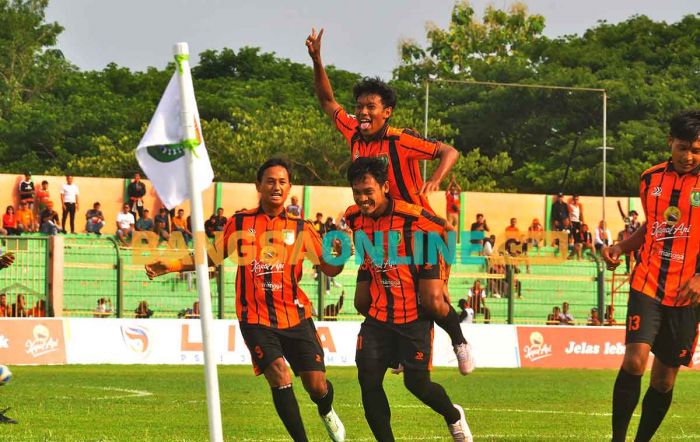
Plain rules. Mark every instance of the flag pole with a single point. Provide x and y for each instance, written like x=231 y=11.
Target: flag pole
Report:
x=181 y=52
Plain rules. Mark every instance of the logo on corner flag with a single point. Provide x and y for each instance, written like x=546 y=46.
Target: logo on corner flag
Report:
x=695 y=198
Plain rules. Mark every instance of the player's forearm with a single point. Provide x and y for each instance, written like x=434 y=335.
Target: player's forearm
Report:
x=635 y=241
x=323 y=89
x=448 y=157
x=331 y=270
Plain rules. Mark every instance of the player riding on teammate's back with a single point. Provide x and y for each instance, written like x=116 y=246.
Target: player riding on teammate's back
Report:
x=369 y=135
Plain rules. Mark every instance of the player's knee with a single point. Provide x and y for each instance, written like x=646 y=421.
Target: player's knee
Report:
x=277 y=373
x=663 y=385
x=634 y=364
x=316 y=387
x=416 y=382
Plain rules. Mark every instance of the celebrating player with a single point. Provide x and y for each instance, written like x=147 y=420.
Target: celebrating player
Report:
x=664 y=301
x=395 y=328
x=273 y=311
x=369 y=134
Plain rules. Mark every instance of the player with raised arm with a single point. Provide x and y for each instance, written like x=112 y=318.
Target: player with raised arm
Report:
x=395 y=327
x=663 y=310
x=369 y=134
x=274 y=313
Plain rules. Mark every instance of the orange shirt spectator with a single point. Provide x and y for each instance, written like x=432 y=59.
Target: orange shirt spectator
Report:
x=25 y=217
x=512 y=231
x=42 y=195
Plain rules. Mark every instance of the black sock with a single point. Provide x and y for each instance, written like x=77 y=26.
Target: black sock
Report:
x=370 y=373
x=325 y=404
x=288 y=410
x=654 y=408
x=450 y=324
x=431 y=394
x=625 y=398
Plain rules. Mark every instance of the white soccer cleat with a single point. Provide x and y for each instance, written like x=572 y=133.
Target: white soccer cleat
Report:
x=460 y=430
x=465 y=358
x=334 y=426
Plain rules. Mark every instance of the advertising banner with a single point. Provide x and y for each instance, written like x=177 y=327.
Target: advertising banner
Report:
x=32 y=341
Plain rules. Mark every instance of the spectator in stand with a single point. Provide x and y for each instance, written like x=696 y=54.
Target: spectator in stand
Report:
x=553 y=318
x=220 y=220
x=476 y=298
x=294 y=208
x=609 y=316
x=593 y=319
x=4 y=307
x=161 y=230
x=145 y=223
x=535 y=233
x=559 y=212
x=575 y=213
x=163 y=216
x=513 y=245
x=125 y=224
x=9 y=221
x=478 y=230
x=94 y=220
x=104 y=308
x=331 y=311
x=180 y=225
x=136 y=191
x=329 y=224
x=452 y=199
x=142 y=311
x=602 y=237
x=566 y=317
x=466 y=316
x=48 y=223
x=19 y=308
x=42 y=196
x=583 y=241
x=193 y=313
x=319 y=225
x=210 y=226
x=25 y=219
x=632 y=224
x=71 y=203
x=39 y=309
x=26 y=191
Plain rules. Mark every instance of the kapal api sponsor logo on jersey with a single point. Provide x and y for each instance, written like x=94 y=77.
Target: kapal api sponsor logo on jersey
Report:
x=537 y=349
x=41 y=342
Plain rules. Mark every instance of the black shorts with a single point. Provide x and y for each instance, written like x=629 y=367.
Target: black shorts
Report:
x=408 y=344
x=671 y=331
x=299 y=345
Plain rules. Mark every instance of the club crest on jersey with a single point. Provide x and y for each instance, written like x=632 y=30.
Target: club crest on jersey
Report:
x=656 y=191
x=288 y=236
x=672 y=214
x=695 y=197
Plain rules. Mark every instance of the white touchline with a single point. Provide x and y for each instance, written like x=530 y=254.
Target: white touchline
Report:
x=130 y=393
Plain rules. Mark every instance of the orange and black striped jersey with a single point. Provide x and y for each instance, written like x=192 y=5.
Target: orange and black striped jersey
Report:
x=402 y=148
x=669 y=256
x=394 y=285
x=269 y=253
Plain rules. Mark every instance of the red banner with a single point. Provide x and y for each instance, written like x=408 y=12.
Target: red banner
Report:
x=571 y=347
x=32 y=341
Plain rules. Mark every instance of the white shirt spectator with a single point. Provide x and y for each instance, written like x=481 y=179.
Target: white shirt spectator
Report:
x=69 y=192
x=574 y=213
x=488 y=249
x=125 y=220
x=598 y=239
x=470 y=316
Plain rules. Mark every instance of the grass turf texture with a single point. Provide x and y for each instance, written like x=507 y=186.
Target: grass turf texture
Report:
x=90 y=403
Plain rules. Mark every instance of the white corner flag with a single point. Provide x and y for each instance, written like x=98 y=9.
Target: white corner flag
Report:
x=173 y=156
x=161 y=152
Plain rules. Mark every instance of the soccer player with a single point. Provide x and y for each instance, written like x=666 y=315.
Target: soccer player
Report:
x=395 y=328
x=369 y=135
x=273 y=311
x=663 y=308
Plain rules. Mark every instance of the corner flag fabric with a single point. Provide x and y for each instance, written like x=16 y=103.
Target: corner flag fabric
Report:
x=161 y=152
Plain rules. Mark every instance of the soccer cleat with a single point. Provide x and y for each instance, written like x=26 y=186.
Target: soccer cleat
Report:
x=460 y=430
x=397 y=370
x=465 y=358
x=334 y=426
x=4 y=419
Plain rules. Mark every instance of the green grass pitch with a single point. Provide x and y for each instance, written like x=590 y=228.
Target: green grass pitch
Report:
x=167 y=403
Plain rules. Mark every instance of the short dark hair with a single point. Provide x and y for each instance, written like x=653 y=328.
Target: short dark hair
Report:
x=373 y=85
x=685 y=125
x=374 y=166
x=272 y=162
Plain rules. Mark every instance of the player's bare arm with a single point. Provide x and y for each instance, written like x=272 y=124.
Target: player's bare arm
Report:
x=612 y=254
x=322 y=86
x=432 y=296
x=690 y=292
x=362 y=297
x=448 y=156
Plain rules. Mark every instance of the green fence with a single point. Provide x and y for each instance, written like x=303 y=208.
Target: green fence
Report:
x=26 y=283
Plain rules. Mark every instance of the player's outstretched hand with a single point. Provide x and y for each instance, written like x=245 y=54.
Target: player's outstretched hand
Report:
x=155 y=269
x=429 y=186
x=313 y=44
x=690 y=291
x=611 y=256
x=6 y=260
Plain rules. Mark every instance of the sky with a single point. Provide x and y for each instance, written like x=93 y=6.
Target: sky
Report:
x=361 y=36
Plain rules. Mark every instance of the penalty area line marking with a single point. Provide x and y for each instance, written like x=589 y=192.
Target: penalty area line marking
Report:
x=129 y=393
